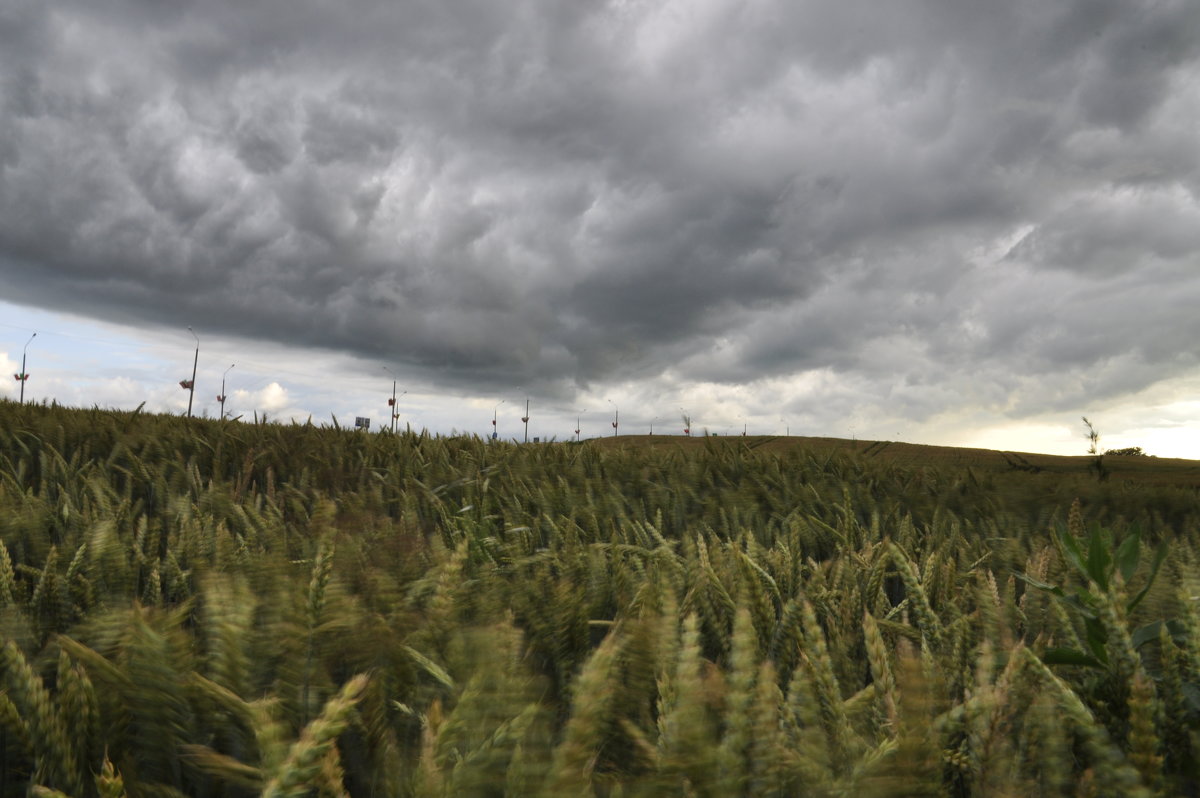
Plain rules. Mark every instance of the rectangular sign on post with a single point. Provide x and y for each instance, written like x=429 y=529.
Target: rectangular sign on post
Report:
x=361 y=422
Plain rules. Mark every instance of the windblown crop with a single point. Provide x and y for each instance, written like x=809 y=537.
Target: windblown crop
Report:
x=206 y=608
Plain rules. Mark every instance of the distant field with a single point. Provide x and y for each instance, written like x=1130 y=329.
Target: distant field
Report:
x=1148 y=470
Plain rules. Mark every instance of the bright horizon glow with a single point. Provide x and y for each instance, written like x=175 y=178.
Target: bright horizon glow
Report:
x=83 y=363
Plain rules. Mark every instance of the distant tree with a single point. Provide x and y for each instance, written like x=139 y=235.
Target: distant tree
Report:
x=1129 y=451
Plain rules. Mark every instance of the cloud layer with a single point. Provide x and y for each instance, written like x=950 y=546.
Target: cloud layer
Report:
x=922 y=205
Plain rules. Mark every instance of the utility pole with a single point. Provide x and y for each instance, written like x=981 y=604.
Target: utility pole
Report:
x=23 y=376
x=525 y=419
x=616 y=422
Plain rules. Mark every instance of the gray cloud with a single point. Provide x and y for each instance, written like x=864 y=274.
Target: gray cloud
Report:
x=936 y=201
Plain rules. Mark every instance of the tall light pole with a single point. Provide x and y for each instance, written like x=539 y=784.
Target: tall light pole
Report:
x=687 y=422
x=495 y=414
x=392 y=402
x=23 y=376
x=652 y=424
x=616 y=422
x=190 y=385
x=525 y=419
x=221 y=398
x=577 y=425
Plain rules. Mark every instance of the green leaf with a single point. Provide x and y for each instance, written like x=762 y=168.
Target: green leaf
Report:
x=1070 y=656
x=1143 y=635
x=1191 y=696
x=430 y=667
x=1160 y=554
x=1151 y=631
x=1055 y=589
x=1128 y=555
x=1072 y=552
x=1097 y=638
x=1083 y=602
x=1099 y=558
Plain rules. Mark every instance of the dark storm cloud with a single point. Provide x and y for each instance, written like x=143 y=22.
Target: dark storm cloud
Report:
x=907 y=194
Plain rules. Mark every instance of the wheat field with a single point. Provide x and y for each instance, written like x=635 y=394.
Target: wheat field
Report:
x=206 y=608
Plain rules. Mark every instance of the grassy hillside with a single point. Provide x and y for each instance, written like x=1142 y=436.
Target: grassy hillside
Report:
x=1143 y=470
x=209 y=608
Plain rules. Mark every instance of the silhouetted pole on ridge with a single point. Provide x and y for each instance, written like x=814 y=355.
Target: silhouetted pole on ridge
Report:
x=525 y=419
x=221 y=398
x=24 y=375
x=191 y=384
x=616 y=422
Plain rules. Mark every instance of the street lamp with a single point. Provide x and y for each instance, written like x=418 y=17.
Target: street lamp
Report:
x=392 y=401
x=616 y=422
x=495 y=411
x=23 y=376
x=222 y=397
x=652 y=424
x=577 y=425
x=190 y=385
x=525 y=419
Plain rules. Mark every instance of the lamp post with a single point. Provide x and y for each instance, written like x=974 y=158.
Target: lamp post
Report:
x=190 y=385
x=687 y=422
x=652 y=424
x=24 y=375
x=525 y=419
x=392 y=401
x=495 y=412
x=616 y=422
x=577 y=425
x=222 y=397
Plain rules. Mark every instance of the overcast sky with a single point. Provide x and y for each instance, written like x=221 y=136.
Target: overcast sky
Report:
x=951 y=221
